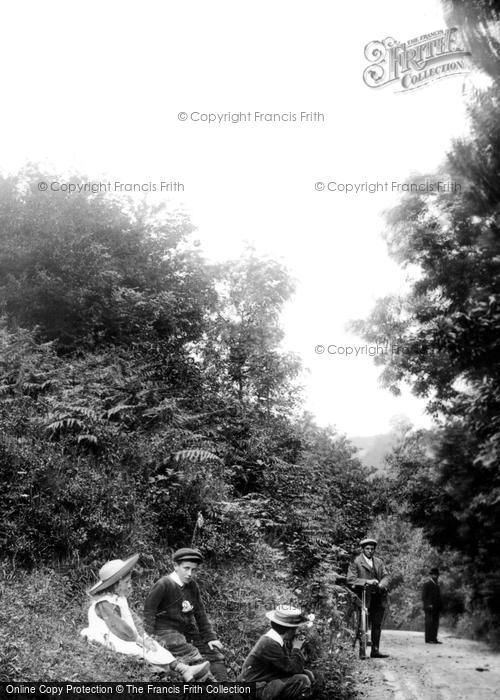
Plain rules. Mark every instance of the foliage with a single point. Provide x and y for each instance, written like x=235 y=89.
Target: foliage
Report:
x=479 y=20
x=447 y=328
x=419 y=510
x=408 y=557
x=90 y=269
x=242 y=357
x=146 y=404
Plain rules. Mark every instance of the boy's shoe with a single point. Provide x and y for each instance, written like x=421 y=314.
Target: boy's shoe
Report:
x=193 y=673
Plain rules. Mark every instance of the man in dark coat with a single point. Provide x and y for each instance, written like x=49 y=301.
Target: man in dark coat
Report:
x=369 y=571
x=277 y=672
x=431 y=599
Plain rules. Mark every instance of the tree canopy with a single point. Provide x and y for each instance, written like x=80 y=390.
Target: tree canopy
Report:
x=141 y=387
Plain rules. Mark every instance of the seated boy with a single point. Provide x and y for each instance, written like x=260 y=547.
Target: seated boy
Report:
x=174 y=613
x=112 y=624
x=277 y=672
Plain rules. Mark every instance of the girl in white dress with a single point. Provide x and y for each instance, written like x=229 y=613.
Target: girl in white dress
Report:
x=111 y=622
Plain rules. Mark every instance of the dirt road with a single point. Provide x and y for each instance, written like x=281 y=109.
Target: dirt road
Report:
x=455 y=670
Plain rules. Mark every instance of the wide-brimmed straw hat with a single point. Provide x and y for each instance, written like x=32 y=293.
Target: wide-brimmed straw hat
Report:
x=112 y=572
x=287 y=616
x=368 y=540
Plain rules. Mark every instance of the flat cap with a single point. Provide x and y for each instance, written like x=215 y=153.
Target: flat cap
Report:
x=368 y=540
x=187 y=554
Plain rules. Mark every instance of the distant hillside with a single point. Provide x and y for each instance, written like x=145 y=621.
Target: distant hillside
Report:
x=373 y=448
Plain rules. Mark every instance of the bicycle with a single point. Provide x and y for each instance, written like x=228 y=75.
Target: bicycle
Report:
x=360 y=612
x=362 y=631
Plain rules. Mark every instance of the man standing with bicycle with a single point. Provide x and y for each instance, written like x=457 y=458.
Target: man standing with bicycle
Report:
x=369 y=572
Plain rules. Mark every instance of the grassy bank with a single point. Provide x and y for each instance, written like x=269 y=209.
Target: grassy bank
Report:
x=43 y=611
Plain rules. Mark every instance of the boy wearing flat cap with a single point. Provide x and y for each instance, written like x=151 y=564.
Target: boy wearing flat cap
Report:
x=174 y=613
x=369 y=571
x=277 y=672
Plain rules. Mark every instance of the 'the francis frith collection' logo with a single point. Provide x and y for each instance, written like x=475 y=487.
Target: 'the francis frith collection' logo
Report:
x=416 y=62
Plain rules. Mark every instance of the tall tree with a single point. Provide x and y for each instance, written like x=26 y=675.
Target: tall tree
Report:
x=242 y=353
x=90 y=270
x=480 y=23
x=445 y=337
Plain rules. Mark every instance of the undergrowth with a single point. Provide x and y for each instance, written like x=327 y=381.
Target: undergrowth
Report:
x=43 y=611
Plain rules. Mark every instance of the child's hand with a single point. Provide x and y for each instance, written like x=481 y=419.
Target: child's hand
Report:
x=215 y=643
x=149 y=644
x=146 y=643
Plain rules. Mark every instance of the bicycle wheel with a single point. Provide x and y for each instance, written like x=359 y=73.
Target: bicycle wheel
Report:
x=363 y=626
x=362 y=644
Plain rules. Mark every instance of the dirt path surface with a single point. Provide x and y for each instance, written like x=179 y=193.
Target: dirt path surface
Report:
x=456 y=669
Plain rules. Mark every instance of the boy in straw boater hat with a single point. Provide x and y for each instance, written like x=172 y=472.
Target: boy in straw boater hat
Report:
x=111 y=622
x=277 y=672
x=174 y=613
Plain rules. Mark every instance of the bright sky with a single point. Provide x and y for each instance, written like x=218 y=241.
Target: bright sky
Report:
x=98 y=86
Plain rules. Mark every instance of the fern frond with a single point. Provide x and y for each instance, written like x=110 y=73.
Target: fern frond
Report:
x=63 y=424
x=118 y=409
x=195 y=456
x=87 y=438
